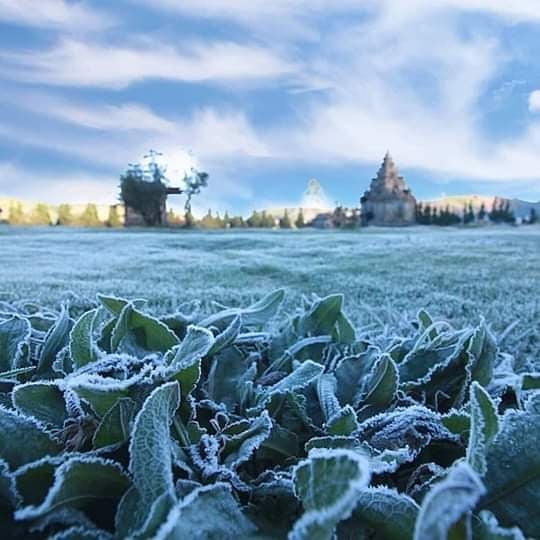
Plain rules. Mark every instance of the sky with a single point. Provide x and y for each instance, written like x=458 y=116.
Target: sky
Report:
x=265 y=95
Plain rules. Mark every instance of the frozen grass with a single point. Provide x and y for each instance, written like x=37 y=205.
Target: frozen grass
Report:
x=386 y=275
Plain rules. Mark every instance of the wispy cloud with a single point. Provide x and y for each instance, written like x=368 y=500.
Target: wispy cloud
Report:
x=534 y=101
x=56 y=14
x=68 y=63
x=77 y=186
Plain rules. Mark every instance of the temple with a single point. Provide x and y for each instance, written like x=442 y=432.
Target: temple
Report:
x=388 y=202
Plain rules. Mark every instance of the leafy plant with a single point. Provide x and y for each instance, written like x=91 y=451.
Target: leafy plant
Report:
x=118 y=423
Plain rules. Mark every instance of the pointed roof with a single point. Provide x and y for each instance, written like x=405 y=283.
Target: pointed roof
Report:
x=388 y=182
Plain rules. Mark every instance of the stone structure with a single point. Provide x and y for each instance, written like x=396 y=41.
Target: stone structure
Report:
x=388 y=200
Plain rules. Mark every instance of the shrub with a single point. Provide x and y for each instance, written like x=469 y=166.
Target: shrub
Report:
x=232 y=425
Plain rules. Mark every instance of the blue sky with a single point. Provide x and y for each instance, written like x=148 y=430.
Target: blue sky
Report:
x=265 y=95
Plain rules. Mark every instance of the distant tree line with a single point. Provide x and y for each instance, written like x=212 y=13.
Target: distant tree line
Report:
x=43 y=215
x=500 y=212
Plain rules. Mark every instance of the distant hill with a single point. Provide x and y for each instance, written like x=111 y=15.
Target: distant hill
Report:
x=456 y=203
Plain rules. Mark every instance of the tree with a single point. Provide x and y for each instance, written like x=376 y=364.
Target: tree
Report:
x=267 y=220
x=533 y=216
x=209 y=221
x=16 y=214
x=468 y=214
x=237 y=222
x=193 y=183
x=285 y=221
x=482 y=213
x=254 y=221
x=90 y=218
x=40 y=215
x=427 y=215
x=113 y=220
x=189 y=220
x=435 y=220
x=145 y=196
x=300 y=223
x=65 y=215
x=419 y=213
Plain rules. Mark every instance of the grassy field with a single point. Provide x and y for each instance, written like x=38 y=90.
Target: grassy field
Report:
x=386 y=275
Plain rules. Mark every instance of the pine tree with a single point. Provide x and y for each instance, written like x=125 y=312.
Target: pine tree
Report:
x=189 y=220
x=533 y=216
x=90 y=218
x=16 y=214
x=427 y=215
x=209 y=221
x=419 y=213
x=482 y=213
x=40 y=215
x=113 y=220
x=285 y=221
x=435 y=217
x=300 y=223
x=254 y=221
x=65 y=215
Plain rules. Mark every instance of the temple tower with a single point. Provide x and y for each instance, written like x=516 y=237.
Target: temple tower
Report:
x=388 y=200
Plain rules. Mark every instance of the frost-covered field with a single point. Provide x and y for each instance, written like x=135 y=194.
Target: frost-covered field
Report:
x=386 y=275
x=287 y=418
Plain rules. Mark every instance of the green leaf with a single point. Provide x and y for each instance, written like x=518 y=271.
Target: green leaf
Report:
x=240 y=446
x=389 y=514
x=323 y=315
x=381 y=386
x=103 y=392
x=344 y=331
x=134 y=328
x=55 y=340
x=326 y=392
x=530 y=381
x=513 y=470
x=328 y=483
x=14 y=342
x=207 y=513
x=351 y=373
x=227 y=337
x=447 y=503
x=256 y=314
x=44 y=401
x=195 y=345
x=23 y=439
x=484 y=427
x=343 y=422
x=115 y=305
x=483 y=348
x=225 y=377
x=78 y=483
x=115 y=426
x=150 y=447
x=81 y=340
x=299 y=378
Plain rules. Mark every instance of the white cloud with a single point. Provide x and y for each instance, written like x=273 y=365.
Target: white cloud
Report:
x=54 y=187
x=53 y=14
x=126 y=132
x=79 y=63
x=534 y=101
